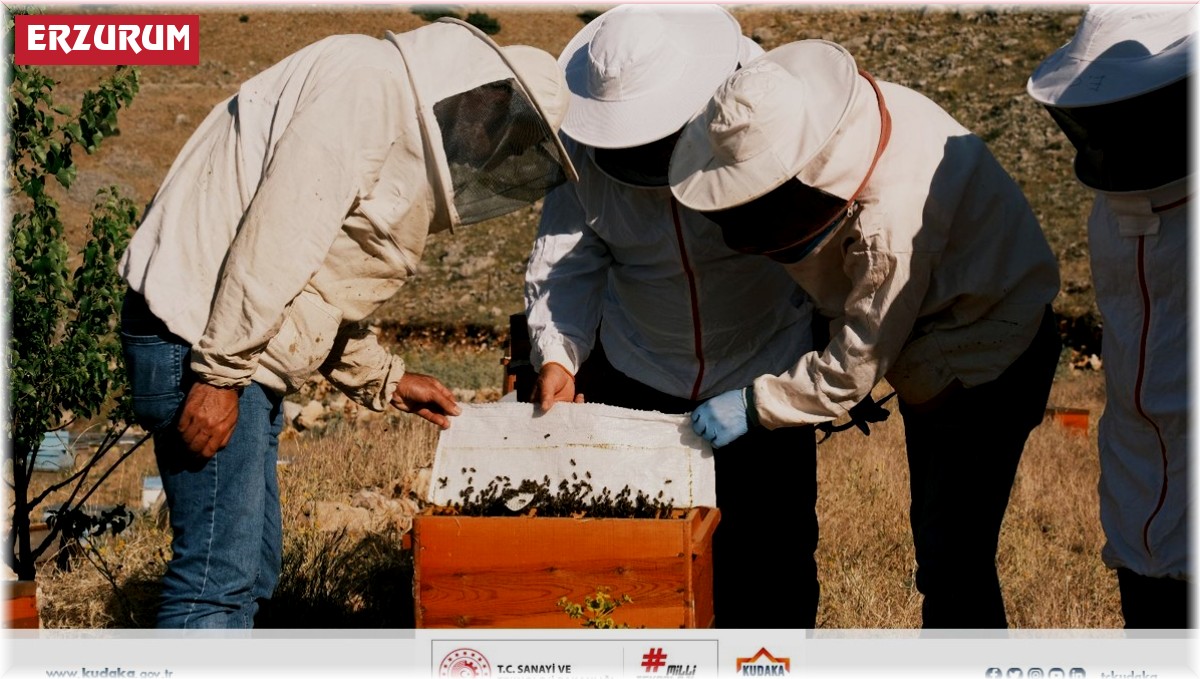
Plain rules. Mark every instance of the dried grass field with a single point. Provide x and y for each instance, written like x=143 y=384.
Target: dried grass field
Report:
x=349 y=483
x=348 y=494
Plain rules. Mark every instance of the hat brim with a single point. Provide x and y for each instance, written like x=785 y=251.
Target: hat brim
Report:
x=711 y=42
x=703 y=181
x=1064 y=81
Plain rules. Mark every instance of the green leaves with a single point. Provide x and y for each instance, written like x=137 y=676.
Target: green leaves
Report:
x=597 y=609
x=64 y=352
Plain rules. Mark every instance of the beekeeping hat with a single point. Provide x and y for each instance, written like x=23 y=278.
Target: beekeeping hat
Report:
x=637 y=73
x=1117 y=53
x=773 y=120
x=489 y=117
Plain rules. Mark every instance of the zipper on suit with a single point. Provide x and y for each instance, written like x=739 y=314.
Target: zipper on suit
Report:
x=1137 y=390
x=697 y=335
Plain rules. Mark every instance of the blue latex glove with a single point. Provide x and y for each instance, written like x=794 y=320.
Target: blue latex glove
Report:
x=722 y=419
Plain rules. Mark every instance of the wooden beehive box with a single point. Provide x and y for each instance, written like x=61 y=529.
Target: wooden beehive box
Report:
x=510 y=572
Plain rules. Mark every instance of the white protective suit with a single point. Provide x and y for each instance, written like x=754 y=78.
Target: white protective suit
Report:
x=302 y=203
x=1139 y=245
x=682 y=312
x=943 y=275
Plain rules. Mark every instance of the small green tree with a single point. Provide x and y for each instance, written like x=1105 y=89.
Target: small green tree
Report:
x=63 y=352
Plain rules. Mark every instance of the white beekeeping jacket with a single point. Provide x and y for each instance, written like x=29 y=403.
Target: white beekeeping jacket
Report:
x=301 y=204
x=682 y=313
x=1139 y=255
x=944 y=274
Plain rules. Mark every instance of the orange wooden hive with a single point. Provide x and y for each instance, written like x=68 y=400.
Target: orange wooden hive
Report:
x=511 y=571
x=21 y=605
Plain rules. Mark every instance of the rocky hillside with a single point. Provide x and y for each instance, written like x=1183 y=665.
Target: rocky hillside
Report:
x=973 y=60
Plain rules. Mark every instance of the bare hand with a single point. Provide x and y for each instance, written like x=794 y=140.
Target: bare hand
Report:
x=554 y=385
x=425 y=397
x=208 y=418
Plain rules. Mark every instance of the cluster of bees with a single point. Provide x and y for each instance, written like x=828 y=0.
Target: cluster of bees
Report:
x=576 y=498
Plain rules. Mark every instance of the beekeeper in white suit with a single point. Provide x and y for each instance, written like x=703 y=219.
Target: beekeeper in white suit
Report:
x=925 y=254
x=1119 y=91
x=634 y=301
x=297 y=208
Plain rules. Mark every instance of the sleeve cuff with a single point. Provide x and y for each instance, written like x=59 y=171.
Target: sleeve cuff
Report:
x=751 y=407
x=555 y=354
x=225 y=374
x=396 y=370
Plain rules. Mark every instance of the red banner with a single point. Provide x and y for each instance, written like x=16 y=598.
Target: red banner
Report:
x=107 y=40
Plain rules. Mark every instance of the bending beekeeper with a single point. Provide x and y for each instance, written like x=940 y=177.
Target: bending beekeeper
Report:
x=634 y=301
x=296 y=209
x=930 y=264
x=1119 y=91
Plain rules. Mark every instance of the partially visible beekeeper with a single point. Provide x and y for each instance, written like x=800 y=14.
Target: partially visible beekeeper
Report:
x=1119 y=91
x=296 y=209
x=930 y=264
x=634 y=301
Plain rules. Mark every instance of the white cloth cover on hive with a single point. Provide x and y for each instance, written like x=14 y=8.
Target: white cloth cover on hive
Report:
x=648 y=451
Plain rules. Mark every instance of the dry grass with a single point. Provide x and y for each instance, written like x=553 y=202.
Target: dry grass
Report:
x=1049 y=554
x=1048 y=558
x=330 y=578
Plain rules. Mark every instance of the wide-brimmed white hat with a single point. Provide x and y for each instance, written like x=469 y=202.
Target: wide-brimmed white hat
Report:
x=637 y=73
x=1118 y=52
x=764 y=125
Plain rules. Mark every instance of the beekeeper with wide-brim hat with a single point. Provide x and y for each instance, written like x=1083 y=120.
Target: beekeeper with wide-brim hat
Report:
x=634 y=300
x=296 y=209
x=637 y=73
x=1119 y=90
x=930 y=266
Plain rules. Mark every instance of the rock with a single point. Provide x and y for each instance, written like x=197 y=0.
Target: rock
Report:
x=340 y=404
x=335 y=516
x=454 y=254
x=476 y=265
x=310 y=416
x=488 y=395
x=372 y=500
x=416 y=482
x=764 y=36
x=409 y=506
x=291 y=410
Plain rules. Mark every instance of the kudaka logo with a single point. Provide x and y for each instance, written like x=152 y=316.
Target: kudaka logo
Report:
x=656 y=660
x=465 y=662
x=107 y=40
x=763 y=664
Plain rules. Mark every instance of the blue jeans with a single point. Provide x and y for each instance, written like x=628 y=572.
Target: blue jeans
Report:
x=225 y=519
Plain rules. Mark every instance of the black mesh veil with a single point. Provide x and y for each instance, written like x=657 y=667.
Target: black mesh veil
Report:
x=500 y=151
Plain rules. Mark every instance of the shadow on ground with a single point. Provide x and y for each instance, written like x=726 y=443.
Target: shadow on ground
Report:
x=351 y=583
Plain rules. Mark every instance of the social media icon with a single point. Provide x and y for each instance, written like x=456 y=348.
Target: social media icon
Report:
x=1078 y=673
x=994 y=673
x=1015 y=673
x=1057 y=673
x=1035 y=673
